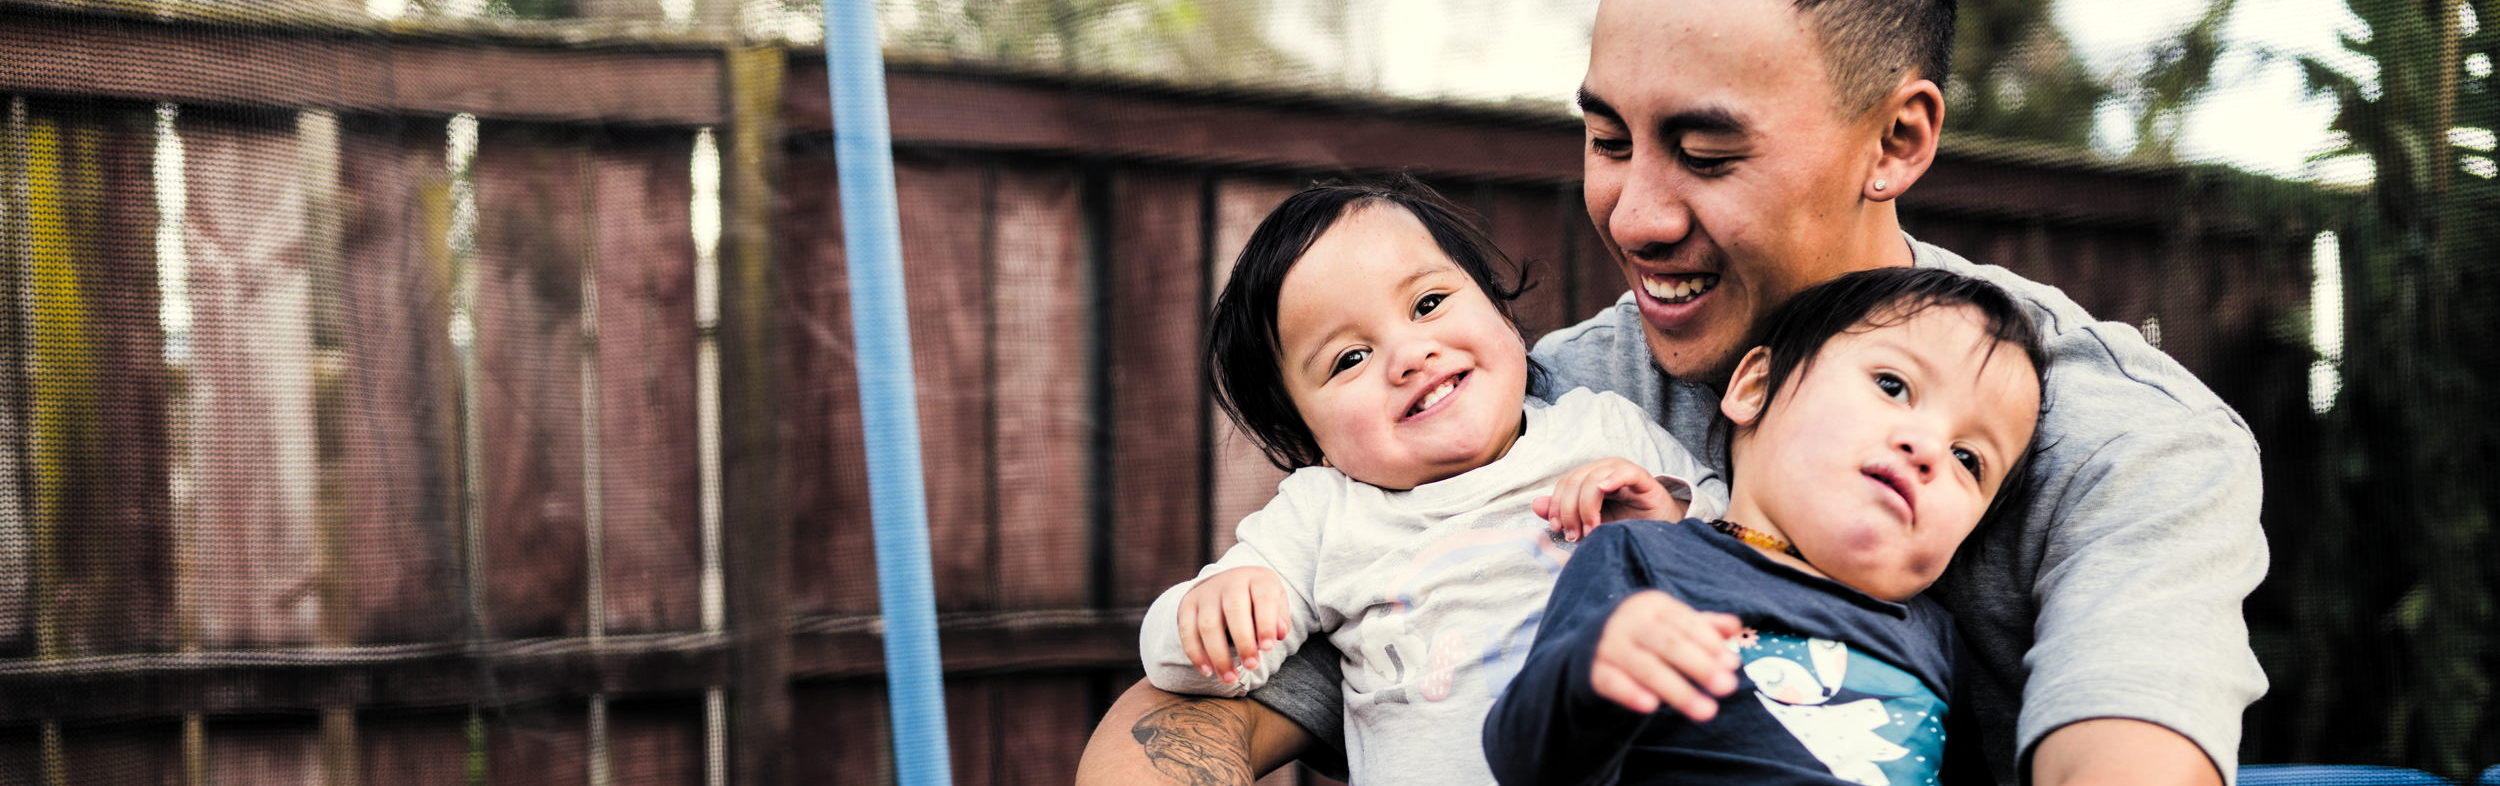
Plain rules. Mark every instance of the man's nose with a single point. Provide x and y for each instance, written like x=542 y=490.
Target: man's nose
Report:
x=1650 y=214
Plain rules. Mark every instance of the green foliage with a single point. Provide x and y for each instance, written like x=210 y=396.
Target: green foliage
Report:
x=2015 y=76
x=2395 y=570
x=1190 y=41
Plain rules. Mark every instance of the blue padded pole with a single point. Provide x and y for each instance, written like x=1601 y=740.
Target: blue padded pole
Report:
x=872 y=232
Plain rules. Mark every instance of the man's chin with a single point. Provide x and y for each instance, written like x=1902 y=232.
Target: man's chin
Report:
x=1693 y=361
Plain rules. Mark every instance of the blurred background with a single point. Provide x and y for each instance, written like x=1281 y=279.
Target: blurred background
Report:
x=462 y=391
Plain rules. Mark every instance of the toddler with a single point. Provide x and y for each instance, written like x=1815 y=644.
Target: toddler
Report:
x=1365 y=344
x=1874 y=426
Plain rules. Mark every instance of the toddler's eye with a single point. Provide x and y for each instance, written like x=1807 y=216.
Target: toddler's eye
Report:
x=1428 y=303
x=1892 y=386
x=1351 y=358
x=1970 y=461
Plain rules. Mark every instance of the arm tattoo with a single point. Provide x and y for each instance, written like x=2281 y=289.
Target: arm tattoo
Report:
x=1197 y=741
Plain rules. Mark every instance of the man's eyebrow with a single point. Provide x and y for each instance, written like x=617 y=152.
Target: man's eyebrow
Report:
x=1707 y=120
x=1590 y=104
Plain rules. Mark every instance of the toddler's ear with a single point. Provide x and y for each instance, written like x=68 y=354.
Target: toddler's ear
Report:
x=1747 y=390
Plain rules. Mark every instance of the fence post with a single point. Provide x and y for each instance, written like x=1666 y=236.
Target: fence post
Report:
x=756 y=547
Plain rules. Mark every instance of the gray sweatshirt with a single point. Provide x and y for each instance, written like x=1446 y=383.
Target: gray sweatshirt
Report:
x=1432 y=594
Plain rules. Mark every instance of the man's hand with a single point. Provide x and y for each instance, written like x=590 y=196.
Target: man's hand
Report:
x=1153 y=737
x=1247 y=605
x=1610 y=489
x=2119 y=751
x=1657 y=651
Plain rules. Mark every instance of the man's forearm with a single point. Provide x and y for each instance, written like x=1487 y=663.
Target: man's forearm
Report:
x=2119 y=751
x=1150 y=736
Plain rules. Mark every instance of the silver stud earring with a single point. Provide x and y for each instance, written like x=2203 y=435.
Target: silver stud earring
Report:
x=1881 y=184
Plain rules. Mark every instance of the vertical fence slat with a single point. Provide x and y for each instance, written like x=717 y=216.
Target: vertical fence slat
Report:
x=1157 y=302
x=1044 y=721
x=944 y=211
x=659 y=744
x=99 y=455
x=430 y=749
x=247 y=443
x=972 y=726
x=538 y=744
x=399 y=416
x=1596 y=282
x=265 y=754
x=1041 y=311
x=527 y=269
x=1242 y=480
x=824 y=465
x=136 y=754
x=642 y=191
x=841 y=733
x=1521 y=222
x=17 y=548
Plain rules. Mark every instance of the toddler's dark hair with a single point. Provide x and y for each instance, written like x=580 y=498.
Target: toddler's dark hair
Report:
x=1242 y=342
x=1869 y=299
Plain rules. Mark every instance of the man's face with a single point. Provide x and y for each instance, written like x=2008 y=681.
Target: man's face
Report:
x=1719 y=170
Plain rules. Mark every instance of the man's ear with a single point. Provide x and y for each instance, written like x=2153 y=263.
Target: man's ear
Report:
x=1748 y=390
x=1913 y=122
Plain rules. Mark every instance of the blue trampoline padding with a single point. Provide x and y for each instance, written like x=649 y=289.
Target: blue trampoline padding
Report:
x=2340 y=775
x=2491 y=777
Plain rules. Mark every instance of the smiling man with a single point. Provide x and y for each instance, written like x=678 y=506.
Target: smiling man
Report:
x=1737 y=152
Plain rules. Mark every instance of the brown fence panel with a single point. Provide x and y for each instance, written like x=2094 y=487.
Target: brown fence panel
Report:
x=945 y=211
x=527 y=280
x=641 y=192
x=416 y=750
x=823 y=447
x=137 y=753
x=399 y=419
x=98 y=449
x=1243 y=480
x=1527 y=225
x=655 y=743
x=265 y=753
x=1041 y=343
x=1044 y=721
x=1155 y=294
x=839 y=733
x=246 y=426
x=538 y=744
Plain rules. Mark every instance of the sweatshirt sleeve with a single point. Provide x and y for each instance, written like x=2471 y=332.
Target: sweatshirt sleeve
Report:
x=1282 y=537
x=1549 y=726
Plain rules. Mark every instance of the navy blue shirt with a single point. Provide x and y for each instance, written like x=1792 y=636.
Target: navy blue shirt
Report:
x=1836 y=687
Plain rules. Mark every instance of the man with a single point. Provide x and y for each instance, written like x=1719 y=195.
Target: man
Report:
x=1726 y=170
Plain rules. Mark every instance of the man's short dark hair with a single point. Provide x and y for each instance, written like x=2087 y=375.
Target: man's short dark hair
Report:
x=1242 y=341
x=1869 y=46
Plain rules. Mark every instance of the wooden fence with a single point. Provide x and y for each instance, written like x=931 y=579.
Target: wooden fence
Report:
x=456 y=408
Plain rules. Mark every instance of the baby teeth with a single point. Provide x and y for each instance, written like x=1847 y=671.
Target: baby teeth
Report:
x=1679 y=289
x=1436 y=395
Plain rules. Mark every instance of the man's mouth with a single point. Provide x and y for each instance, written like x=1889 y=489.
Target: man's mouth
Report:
x=1678 y=288
x=1436 y=394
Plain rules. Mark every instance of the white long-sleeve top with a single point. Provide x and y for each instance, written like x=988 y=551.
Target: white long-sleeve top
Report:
x=1432 y=594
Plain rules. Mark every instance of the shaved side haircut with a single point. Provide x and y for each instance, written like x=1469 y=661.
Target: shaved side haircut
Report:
x=1870 y=46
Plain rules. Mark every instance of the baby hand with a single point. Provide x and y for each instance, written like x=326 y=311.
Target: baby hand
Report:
x=1655 y=652
x=1247 y=605
x=1605 y=490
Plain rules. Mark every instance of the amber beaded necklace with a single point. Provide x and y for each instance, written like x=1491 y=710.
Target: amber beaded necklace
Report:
x=1756 y=537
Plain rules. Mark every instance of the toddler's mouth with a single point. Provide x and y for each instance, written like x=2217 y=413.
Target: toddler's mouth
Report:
x=1436 y=395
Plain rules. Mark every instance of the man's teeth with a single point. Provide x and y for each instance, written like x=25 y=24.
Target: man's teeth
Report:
x=1436 y=395
x=1677 y=289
